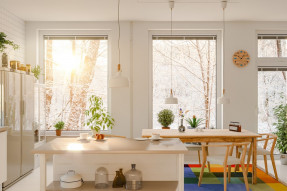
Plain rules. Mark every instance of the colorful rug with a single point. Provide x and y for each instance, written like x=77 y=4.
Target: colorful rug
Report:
x=213 y=181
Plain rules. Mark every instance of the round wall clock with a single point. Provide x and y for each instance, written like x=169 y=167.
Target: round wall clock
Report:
x=241 y=58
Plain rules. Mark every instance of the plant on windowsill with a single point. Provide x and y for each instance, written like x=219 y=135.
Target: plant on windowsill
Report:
x=281 y=126
x=165 y=117
x=194 y=122
x=97 y=117
x=59 y=126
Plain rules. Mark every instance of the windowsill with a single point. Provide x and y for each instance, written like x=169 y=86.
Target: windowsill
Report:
x=52 y=133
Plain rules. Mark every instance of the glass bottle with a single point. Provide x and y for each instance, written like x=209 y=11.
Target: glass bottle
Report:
x=101 y=178
x=123 y=178
x=117 y=183
x=133 y=179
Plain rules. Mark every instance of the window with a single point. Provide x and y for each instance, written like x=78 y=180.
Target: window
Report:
x=273 y=46
x=76 y=67
x=272 y=92
x=194 y=76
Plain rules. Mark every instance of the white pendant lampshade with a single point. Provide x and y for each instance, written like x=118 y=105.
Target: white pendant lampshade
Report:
x=171 y=99
x=119 y=81
x=223 y=99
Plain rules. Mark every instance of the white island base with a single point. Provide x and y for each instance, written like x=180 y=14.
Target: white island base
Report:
x=161 y=163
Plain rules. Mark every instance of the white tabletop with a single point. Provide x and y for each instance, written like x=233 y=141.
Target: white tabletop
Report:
x=112 y=146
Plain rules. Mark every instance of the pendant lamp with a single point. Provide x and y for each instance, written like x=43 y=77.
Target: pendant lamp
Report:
x=171 y=99
x=118 y=80
x=223 y=99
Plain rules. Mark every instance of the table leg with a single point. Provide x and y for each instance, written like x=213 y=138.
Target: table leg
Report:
x=43 y=172
x=254 y=162
x=180 y=162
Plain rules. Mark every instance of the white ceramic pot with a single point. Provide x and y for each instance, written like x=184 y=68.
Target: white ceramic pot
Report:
x=71 y=180
x=283 y=159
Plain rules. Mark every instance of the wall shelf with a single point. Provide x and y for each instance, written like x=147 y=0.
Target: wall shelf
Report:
x=90 y=186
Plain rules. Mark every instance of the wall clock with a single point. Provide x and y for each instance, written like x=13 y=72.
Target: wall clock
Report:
x=241 y=58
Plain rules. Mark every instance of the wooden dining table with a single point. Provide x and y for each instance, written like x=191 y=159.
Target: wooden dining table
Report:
x=212 y=135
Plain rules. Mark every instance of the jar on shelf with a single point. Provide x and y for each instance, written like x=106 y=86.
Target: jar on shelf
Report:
x=101 y=178
x=133 y=179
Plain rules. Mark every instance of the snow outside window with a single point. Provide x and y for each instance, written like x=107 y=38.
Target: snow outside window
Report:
x=194 y=77
x=75 y=69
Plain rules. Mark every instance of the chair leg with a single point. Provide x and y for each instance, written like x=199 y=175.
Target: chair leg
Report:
x=202 y=171
x=245 y=176
x=265 y=162
x=274 y=166
x=248 y=160
x=229 y=173
x=238 y=156
x=198 y=153
x=208 y=165
x=225 y=178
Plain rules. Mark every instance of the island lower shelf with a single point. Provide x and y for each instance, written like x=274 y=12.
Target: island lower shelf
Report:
x=90 y=185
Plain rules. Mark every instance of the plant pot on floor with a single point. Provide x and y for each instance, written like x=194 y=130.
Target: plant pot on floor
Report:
x=165 y=127
x=58 y=132
x=283 y=159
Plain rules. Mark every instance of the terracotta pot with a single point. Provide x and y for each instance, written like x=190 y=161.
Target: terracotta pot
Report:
x=58 y=132
x=165 y=127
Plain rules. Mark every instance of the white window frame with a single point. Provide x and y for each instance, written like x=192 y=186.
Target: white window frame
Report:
x=270 y=61
x=41 y=55
x=218 y=34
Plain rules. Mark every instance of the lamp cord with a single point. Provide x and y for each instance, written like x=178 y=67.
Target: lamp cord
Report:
x=119 y=37
x=223 y=49
x=171 y=50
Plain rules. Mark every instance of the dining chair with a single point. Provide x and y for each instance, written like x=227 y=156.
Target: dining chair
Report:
x=226 y=160
x=266 y=137
x=198 y=148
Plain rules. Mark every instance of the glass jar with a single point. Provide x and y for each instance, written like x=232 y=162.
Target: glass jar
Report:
x=101 y=178
x=133 y=179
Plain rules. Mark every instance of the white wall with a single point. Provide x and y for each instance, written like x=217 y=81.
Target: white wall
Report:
x=14 y=28
x=130 y=106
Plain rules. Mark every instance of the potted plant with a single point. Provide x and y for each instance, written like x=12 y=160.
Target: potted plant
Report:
x=59 y=126
x=281 y=126
x=97 y=117
x=165 y=117
x=3 y=45
x=194 y=122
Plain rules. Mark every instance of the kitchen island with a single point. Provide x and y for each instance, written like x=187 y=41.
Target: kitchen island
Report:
x=161 y=162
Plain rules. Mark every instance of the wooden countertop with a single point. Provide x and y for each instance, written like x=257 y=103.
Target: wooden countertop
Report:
x=4 y=128
x=189 y=133
x=112 y=146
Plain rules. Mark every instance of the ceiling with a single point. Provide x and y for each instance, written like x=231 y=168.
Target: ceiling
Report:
x=146 y=10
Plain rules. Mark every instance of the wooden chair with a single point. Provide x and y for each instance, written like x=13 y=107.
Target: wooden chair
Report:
x=198 y=148
x=266 y=137
x=226 y=160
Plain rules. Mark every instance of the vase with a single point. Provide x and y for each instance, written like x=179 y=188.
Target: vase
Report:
x=101 y=178
x=283 y=159
x=117 y=183
x=123 y=178
x=5 y=60
x=181 y=127
x=133 y=179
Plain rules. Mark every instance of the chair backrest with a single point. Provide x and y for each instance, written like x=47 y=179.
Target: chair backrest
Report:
x=229 y=150
x=267 y=137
